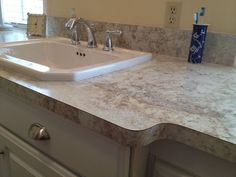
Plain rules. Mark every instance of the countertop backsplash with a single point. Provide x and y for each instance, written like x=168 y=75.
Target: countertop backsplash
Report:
x=220 y=48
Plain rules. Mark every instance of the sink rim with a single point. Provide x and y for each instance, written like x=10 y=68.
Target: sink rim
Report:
x=77 y=73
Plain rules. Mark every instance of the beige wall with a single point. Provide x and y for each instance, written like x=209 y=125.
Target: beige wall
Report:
x=221 y=14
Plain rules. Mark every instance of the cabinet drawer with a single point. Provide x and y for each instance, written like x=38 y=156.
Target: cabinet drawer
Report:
x=20 y=159
x=81 y=150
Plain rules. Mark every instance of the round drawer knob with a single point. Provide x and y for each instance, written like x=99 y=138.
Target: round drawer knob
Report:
x=38 y=132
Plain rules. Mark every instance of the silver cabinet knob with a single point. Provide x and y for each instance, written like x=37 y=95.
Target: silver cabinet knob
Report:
x=38 y=132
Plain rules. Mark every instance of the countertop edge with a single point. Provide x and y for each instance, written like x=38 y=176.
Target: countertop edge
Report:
x=178 y=133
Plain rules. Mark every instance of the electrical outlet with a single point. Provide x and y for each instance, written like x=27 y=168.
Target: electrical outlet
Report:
x=173 y=12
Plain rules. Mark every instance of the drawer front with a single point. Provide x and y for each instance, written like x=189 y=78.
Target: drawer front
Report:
x=78 y=148
x=19 y=159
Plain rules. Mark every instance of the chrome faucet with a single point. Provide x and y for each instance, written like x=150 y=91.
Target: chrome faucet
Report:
x=72 y=25
x=108 y=44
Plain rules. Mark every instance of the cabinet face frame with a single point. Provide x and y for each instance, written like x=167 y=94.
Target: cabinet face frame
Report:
x=29 y=159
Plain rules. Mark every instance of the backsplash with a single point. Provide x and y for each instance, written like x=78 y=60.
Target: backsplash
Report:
x=220 y=48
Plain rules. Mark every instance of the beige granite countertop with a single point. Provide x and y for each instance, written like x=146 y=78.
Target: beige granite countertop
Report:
x=13 y=35
x=161 y=99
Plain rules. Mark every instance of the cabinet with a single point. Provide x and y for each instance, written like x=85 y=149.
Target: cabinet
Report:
x=74 y=150
x=77 y=148
x=171 y=159
x=19 y=159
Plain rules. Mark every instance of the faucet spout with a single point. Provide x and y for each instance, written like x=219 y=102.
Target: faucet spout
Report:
x=92 y=43
x=72 y=23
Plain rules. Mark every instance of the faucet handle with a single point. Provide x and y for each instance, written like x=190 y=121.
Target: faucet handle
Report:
x=69 y=25
x=115 y=32
x=108 y=46
x=93 y=27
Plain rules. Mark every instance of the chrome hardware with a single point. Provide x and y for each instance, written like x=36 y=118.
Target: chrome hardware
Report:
x=75 y=37
x=72 y=25
x=38 y=132
x=108 y=46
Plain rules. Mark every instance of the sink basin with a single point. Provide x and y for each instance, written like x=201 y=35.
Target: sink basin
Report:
x=57 y=59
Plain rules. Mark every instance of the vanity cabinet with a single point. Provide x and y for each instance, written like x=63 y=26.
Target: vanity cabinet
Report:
x=171 y=159
x=79 y=151
x=76 y=151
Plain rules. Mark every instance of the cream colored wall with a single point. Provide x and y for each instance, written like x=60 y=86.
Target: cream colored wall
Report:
x=220 y=14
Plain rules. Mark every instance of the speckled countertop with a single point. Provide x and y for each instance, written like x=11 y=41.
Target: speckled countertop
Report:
x=161 y=99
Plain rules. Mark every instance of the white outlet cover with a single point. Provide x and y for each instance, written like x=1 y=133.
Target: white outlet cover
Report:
x=173 y=13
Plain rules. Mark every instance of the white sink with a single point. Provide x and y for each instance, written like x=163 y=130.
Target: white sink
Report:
x=57 y=59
